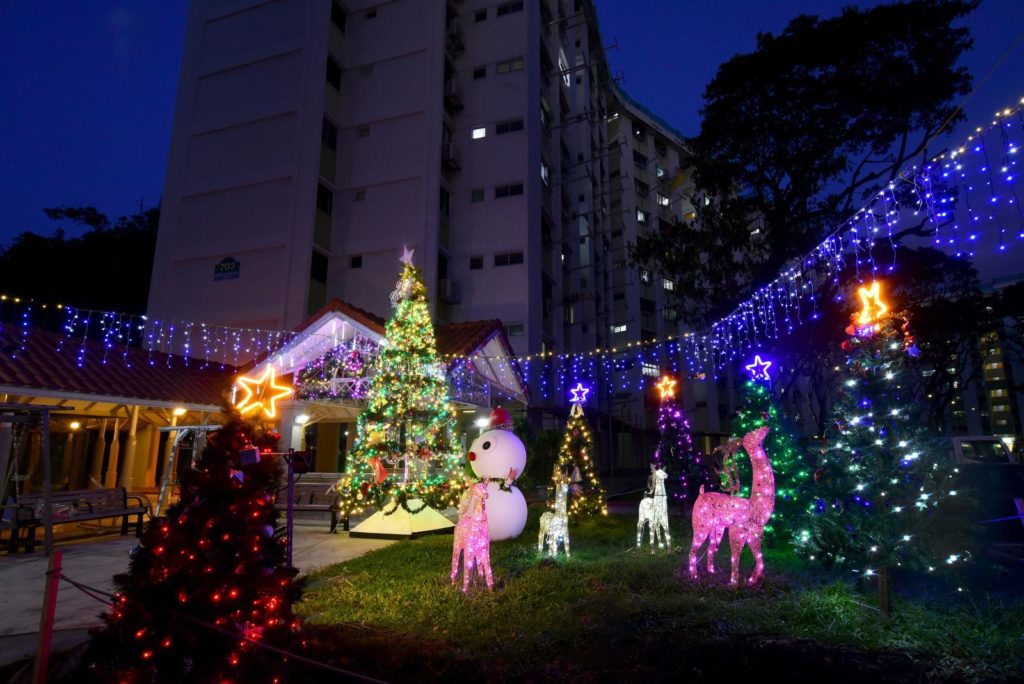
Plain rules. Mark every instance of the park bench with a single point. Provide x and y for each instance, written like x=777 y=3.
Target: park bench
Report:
x=315 y=492
x=73 y=506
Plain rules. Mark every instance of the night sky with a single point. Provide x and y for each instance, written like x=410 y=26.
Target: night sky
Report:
x=88 y=87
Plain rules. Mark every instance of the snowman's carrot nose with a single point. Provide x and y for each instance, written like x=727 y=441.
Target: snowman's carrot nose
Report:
x=472 y=455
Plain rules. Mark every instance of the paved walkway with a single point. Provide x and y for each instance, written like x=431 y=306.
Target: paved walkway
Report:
x=95 y=561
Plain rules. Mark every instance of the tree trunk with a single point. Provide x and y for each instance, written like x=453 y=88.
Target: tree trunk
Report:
x=884 y=592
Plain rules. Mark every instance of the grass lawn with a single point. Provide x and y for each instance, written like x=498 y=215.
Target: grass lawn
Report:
x=612 y=613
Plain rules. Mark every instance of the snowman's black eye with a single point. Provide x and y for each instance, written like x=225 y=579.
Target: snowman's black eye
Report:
x=487 y=445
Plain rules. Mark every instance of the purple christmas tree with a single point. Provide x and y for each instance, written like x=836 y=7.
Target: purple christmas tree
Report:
x=675 y=454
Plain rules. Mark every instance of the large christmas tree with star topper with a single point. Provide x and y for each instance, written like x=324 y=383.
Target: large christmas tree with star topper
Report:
x=884 y=496
x=402 y=456
x=575 y=461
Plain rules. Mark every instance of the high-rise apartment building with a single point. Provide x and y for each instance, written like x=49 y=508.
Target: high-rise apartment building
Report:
x=313 y=139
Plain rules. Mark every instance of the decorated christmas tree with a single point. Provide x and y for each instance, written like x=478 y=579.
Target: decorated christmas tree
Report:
x=791 y=473
x=884 y=495
x=408 y=417
x=587 y=496
x=675 y=454
x=209 y=578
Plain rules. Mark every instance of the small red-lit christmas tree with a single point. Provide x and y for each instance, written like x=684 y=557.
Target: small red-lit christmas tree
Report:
x=217 y=559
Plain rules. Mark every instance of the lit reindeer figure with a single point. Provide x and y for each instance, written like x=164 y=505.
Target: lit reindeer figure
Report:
x=555 y=525
x=654 y=511
x=472 y=540
x=745 y=519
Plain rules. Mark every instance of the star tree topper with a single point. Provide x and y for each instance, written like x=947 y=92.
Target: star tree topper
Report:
x=579 y=393
x=261 y=393
x=871 y=300
x=759 y=369
x=407 y=255
x=667 y=387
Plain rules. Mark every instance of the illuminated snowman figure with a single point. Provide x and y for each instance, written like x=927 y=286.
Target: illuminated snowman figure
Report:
x=495 y=454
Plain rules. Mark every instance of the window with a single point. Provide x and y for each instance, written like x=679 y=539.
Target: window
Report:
x=355 y=261
x=515 y=329
x=479 y=72
x=639 y=159
x=371 y=14
x=642 y=189
x=508 y=190
x=329 y=135
x=651 y=370
x=642 y=217
x=338 y=16
x=639 y=133
x=659 y=148
x=360 y=195
x=509 y=126
x=667 y=284
x=480 y=132
x=662 y=200
x=645 y=276
x=619 y=328
x=324 y=199
x=363 y=132
x=445 y=203
x=563 y=66
x=618 y=296
x=318 y=267
x=476 y=263
x=646 y=305
x=668 y=313
x=481 y=15
x=545 y=173
x=508 y=259
x=334 y=73
x=476 y=195
x=660 y=172
x=997 y=393
x=509 y=65
x=509 y=8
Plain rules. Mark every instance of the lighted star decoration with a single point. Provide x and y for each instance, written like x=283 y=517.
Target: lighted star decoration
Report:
x=759 y=369
x=261 y=394
x=874 y=307
x=667 y=387
x=579 y=393
x=407 y=255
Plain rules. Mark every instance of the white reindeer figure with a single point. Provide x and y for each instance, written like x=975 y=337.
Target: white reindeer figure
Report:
x=654 y=511
x=554 y=526
x=714 y=512
x=472 y=540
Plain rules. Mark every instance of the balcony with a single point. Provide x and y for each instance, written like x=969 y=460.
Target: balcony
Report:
x=452 y=96
x=453 y=37
x=450 y=158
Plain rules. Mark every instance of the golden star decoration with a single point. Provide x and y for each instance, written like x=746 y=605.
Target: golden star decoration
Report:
x=261 y=393
x=667 y=387
x=874 y=307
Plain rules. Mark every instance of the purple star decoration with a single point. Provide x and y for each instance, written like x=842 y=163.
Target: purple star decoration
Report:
x=579 y=393
x=758 y=369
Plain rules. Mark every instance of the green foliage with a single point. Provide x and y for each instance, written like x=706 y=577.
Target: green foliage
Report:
x=542 y=447
x=798 y=132
x=885 y=495
x=108 y=267
x=791 y=472
x=612 y=610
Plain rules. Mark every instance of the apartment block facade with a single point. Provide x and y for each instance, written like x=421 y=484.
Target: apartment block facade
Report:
x=312 y=139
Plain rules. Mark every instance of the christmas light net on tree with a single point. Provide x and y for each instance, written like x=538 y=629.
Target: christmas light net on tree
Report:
x=216 y=560
x=791 y=472
x=884 y=492
x=408 y=419
x=575 y=453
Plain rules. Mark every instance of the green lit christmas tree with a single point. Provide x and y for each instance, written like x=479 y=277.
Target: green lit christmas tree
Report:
x=791 y=472
x=587 y=496
x=884 y=496
x=406 y=423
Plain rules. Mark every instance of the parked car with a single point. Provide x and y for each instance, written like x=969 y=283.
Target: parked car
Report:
x=996 y=479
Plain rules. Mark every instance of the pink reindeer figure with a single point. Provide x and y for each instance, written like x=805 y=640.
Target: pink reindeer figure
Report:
x=472 y=540
x=714 y=512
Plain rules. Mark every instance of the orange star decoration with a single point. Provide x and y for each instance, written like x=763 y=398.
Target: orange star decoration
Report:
x=667 y=387
x=874 y=307
x=261 y=393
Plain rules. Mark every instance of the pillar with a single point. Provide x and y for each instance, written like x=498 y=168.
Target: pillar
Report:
x=291 y=432
x=149 y=479
x=127 y=478
x=6 y=441
x=110 y=477
x=96 y=469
